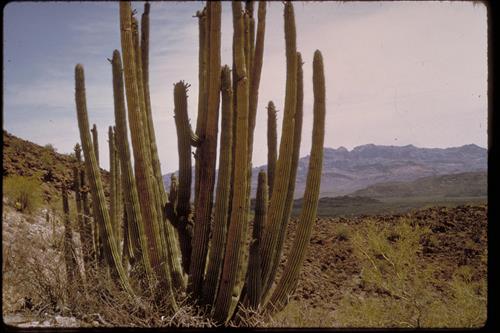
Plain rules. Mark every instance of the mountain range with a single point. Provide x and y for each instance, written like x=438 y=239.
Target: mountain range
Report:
x=346 y=171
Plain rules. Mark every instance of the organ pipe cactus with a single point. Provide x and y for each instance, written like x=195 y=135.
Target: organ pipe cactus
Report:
x=254 y=269
x=208 y=152
x=92 y=170
x=272 y=142
x=297 y=132
x=113 y=171
x=95 y=142
x=284 y=162
x=216 y=254
x=68 y=250
x=215 y=261
x=290 y=275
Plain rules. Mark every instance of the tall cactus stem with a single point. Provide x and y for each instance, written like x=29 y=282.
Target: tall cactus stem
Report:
x=112 y=191
x=202 y=92
x=254 y=290
x=234 y=268
x=69 y=251
x=297 y=135
x=155 y=160
x=272 y=142
x=182 y=189
x=257 y=53
x=143 y=171
x=208 y=154
x=95 y=142
x=218 y=241
x=289 y=278
x=184 y=148
x=94 y=176
x=138 y=240
x=283 y=164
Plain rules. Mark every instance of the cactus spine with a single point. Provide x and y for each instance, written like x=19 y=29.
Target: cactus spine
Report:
x=288 y=281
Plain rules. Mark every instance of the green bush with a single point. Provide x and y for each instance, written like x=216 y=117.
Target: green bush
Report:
x=402 y=290
x=24 y=193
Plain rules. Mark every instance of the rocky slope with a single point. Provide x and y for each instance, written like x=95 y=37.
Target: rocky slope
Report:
x=25 y=158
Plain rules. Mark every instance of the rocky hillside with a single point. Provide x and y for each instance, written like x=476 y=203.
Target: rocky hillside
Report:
x=347 y=171
x=25 y=158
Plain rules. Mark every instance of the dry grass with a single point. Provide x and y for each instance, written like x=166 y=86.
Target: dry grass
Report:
x=402 y=290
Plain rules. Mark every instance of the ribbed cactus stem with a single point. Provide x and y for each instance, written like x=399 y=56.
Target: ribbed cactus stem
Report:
x=88 y=240
x=138 y=241
x=119 y=193
x=201 y=120
x=234 y=268
x=95 y=142
x=78 y=153
x=85 y=236
x=218 y=241
x=174 y=190
x=247 y=45
x=183 y=148
x=112 y=190
x=143 y=171
x=272 y=143
x=166 y=237
x=254 y=289
x=97 y=190
x=183 y=191
x=126 y=242
x=257 y=53
x=208 y=154
x=293 y=172
x=69 y=258
x=283 y=164
x=288 y=281
x=155 y=160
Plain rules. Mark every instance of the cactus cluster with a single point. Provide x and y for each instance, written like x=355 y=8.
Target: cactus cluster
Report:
x=204 y=248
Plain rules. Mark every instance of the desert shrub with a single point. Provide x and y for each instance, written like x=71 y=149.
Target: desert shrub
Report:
x=402 y=290
x=24 y=193
x=342 y=232
x=50 y=147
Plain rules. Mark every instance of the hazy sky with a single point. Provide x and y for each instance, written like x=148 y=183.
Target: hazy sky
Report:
x=397 y=73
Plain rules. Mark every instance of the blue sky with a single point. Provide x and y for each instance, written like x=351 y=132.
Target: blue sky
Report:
x=396 y=72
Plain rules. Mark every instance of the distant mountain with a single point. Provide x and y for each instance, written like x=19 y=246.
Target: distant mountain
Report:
x=345 y=171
